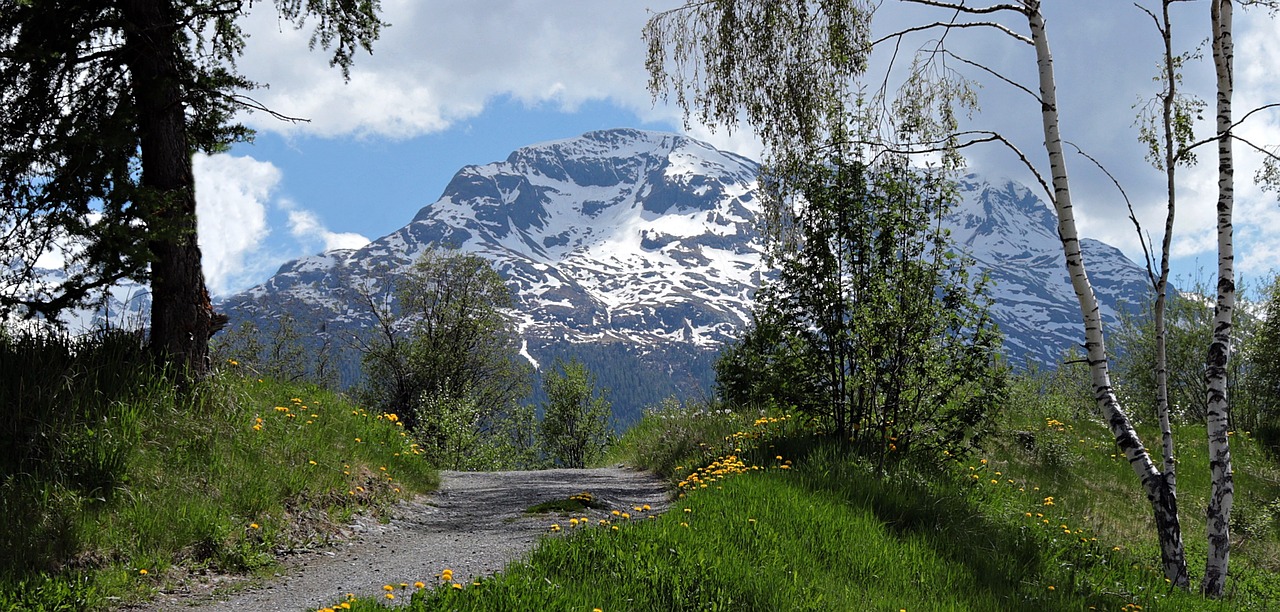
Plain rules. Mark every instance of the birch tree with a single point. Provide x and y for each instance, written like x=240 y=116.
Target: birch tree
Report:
x=1218 y=514
x=697 y=33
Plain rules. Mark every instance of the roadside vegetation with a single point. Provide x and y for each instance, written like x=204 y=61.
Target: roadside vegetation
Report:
x=773 y=515
x=115 y=484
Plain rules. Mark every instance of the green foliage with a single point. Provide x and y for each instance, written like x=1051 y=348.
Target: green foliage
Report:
x=872 y=324
x=574 y=430
x=674 y=434
x=1188 y=331
x=446 y=358
x=88 y=101
x=828 y=534
x=1262 y=414
x=279 y=352
x=113 y=471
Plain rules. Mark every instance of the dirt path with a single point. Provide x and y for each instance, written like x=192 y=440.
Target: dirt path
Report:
x=474 y=525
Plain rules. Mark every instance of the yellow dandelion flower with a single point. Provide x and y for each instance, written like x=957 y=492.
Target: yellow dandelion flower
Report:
x=142 y=572
x=390 y=596
x=456 y=586
x=387 y=587
x=253 y=526
x=446 y=575
x=418 y=585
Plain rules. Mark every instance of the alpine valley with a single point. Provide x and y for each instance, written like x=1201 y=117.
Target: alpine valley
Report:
x=639 y=252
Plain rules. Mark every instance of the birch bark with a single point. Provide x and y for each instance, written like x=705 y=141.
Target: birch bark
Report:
x=1218 y=514
x=1157 y=485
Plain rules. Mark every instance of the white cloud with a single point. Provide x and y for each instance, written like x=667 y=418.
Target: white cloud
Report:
x=441 y=62
x=306 y=227
x=231 y=197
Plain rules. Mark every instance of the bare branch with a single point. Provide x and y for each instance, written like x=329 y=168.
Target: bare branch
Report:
x=976 y=10
x=995 y=74
x=980 y=136
x=1146 y=251
x=250 y=103
x=1262 y=150
x=949 y=25
x=1219 y=135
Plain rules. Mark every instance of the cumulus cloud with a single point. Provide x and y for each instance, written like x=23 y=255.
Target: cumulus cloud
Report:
x=231 y=206
x=307 y=228
x=440 y=62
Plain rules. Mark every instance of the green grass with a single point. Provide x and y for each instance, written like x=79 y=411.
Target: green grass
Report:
x=827 y=533
x=137 y=487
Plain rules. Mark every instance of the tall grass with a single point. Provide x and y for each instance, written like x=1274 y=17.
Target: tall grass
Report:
x=771 y=517
x=115 y=483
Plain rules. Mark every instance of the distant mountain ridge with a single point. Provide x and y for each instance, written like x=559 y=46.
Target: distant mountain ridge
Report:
x=639 y=252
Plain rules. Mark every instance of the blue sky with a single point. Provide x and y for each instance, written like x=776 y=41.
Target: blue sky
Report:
x=456 y=82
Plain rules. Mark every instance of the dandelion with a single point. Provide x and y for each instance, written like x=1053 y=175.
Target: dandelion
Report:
x=751 y=521
x=688 y=510
x=1051 y=587
x=573 y=522
x=257 y=426
x=626 y=516
x=555 y=527
x=142 y=572
x=1048 y=501
x=390 y=596
x=456 y=586
x=446 y=575
x=312 y=462
x=418 y=585
x=387 y=587
x=253 y=526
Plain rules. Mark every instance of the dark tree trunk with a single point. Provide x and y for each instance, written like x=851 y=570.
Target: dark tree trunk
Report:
x=182 y=318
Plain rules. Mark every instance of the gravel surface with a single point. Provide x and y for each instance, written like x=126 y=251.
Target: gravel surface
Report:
x=474 y=524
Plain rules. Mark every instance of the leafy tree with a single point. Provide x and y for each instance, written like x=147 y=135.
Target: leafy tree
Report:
x=872 y=324
x=1188 y=329
x=446 y=337
x=1262 y=354
x=101 y=108
x=575 y=423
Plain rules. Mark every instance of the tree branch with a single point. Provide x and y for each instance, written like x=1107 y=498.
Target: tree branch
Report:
x=1146 y=252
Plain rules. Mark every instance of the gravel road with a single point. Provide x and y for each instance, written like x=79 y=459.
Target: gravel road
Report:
x=474 y=524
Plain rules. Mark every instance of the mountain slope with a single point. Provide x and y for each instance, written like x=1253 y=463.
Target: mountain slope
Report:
x=639 y=251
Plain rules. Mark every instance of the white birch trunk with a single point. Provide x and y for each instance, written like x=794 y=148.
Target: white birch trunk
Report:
x=1221 y=496
x=1162 y=498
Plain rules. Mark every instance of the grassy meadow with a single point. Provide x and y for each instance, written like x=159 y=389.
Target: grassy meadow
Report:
x=770 y=516
x=115 y=486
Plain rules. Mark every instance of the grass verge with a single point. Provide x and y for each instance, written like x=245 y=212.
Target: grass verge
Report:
x=773 y=519
x=125 y=486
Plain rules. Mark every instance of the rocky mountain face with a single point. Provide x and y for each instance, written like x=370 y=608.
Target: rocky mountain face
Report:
x=638 y=253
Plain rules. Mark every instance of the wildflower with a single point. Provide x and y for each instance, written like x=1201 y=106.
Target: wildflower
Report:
x=312 y=462
x=390 y=596
x=615 y=528
x=418 y=585
x=684 y=524
x=688 y=510
x=1051 y=587
x=555 y=527
x=446 y=575
x=646 y=507
x=1048 y=501
x=404 y=585
x=573 y=522
x=751 y=521
x=457 y=586
x=626 y=516
x=142 y=572
x=387 y=587
x=253 y=526
x=257 y=426
x=616 y=513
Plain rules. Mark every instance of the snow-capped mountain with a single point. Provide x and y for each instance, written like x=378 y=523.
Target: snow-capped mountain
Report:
x=1013 y=236
x=642 y=247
